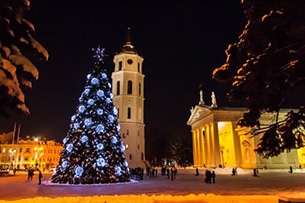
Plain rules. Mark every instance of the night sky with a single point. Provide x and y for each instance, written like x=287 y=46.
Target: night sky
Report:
x=181 y=43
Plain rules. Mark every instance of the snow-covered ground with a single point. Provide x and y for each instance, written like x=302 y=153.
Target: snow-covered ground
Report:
x=269 y=187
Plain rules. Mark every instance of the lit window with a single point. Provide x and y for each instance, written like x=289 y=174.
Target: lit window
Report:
x=120 y=65
x=129 y=87
x=139 y=89
x=129 y=113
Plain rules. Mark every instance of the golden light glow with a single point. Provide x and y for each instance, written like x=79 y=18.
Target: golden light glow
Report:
x=155 y=198
x=226 y=142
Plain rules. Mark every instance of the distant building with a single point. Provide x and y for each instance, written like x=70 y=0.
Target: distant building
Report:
x=30 y=152
x=219 y=142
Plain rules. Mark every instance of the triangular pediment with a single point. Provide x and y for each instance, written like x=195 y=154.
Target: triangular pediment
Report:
x=199 y=112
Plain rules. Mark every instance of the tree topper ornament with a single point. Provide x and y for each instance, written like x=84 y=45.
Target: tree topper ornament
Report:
x=99 y=53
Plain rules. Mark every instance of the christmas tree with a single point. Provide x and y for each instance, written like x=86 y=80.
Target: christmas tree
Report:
x=93 y=151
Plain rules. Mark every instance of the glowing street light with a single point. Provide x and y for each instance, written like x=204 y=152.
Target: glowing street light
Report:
x=38 y=155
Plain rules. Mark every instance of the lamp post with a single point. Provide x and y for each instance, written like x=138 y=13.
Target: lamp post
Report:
x=12 y=159
x=3 y=159
x=38 y=155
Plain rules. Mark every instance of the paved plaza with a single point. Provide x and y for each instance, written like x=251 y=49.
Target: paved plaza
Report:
x=268 y=183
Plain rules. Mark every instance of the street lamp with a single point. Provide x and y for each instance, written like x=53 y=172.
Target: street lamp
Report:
x=3 y=158
x=12 y=157
x=38 y=155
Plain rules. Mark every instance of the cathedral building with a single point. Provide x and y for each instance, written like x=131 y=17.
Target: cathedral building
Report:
x=128 y=97
x=219 y=142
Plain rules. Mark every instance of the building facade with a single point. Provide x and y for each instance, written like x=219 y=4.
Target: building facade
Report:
x=219 y=142
x=128 y=98
x=30 y=153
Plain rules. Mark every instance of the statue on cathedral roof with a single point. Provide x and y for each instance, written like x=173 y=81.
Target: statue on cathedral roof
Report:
x=201 y=102
x=214 y=103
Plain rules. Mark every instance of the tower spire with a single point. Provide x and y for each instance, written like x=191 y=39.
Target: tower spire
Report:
x=128 y=37
x=128 y=47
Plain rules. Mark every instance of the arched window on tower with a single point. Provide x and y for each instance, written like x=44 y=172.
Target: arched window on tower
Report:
x=120 y=65
x=139 y=68
x=118 y=88
x=140 y=89
x=129 y=113
x=129 y=87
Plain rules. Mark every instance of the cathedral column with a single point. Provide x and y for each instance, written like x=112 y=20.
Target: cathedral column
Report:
x=208 y=144
x=237 y=145
x=215 y=135
x=212 y=146
x=195 y=152
x=202 y=151
x=199 y=147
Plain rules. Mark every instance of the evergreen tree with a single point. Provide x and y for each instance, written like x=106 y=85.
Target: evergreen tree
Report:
x=264 y=67
x=93 y=151
x=17 y=48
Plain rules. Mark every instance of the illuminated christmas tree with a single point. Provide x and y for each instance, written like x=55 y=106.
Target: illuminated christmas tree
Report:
x=93 y=151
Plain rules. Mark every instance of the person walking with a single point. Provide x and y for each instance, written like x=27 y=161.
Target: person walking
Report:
x=197 y=172
x=233 y=172
x=167 y=172
x=255 y=172
x=213 y=176
x=172 y=173
x=29 y=173
x=208 y=176
x=39 y=177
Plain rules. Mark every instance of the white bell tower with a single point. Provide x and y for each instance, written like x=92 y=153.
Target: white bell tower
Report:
x=128 y=97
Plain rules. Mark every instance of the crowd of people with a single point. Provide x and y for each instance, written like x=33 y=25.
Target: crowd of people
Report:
x=209 y=176
x=171 y=172
x=152 y=172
